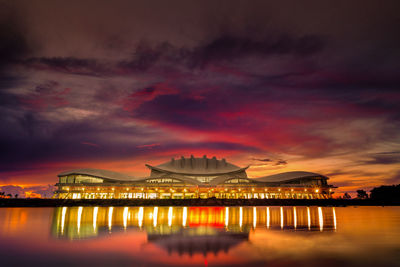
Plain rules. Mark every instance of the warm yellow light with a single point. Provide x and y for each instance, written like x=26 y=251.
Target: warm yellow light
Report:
x=291 y=189
x=184 y=216
x=155 y=215
x=279 y=189
x=110 y=214
x=252 y=189
x=281 y=213
x=169 y=216
x=334 y=217
x=254 y=217
x=240 y=217
x=305 y=190
x=308 y=218
x=268 y=217
x=321 y=219
x=226 y=216
x=78 y=220
x=64 y=211
x=316 y=190
x=294 y=217
x=125 y=217
x=127 y=189
x=113 y=189
x=98 y=189
x=140 y=217
x=95 y=211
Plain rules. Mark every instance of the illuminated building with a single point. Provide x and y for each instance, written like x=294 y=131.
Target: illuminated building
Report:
x=191 y=178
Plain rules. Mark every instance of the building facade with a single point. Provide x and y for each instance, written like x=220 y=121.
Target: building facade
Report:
x=191 y=178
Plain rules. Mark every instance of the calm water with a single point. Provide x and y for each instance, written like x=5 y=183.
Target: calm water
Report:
x=200 y=236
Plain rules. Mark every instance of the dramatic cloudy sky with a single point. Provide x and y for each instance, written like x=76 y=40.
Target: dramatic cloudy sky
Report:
x=278 y=85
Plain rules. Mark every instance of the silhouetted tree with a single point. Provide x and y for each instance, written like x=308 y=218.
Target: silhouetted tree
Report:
x=362 y=194
x=16 y=195
x=9 y=195
x=386 y=192
x=346 y=196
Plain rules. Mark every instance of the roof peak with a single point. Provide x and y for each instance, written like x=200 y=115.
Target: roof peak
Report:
x=198 y=165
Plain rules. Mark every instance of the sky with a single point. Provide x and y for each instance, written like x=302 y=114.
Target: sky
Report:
x=277 y=85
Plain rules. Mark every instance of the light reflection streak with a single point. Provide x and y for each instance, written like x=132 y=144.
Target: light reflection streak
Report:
x=254 y=217
x=140 y=217
x=240 y=217
x=110 y=214
x=226 y=216
x=334 y=217
x=79 y=217
x=74 y=223
x=155 y=216
x=95 y=211
x=170 y=216
x=320 y=219
x=184 y=216
x=64 y=211
x=125 y=217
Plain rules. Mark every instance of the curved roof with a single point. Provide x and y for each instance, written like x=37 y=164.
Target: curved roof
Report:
x=199 y=166
x=99 y=173
x=286 y=176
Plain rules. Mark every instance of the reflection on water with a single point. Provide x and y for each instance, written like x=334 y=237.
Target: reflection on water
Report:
x=189 y=229
x=200 y=236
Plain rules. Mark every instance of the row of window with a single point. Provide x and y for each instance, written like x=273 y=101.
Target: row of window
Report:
x=77 y=179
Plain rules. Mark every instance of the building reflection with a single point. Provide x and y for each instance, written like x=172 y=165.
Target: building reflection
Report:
x=189 y=230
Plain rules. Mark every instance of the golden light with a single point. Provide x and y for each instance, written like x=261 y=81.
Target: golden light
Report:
x=184 y=216
x=226 y=216
x=320 y=219
x=78 y=221
x=95 y=211
x=110 y=214
x=240 y=217
x=254 y=217
x=64 y=211
x=155 y=216
x=169 y=216
x=125 y=217
x=316 y=190
x=334 y=217
x=140 y=217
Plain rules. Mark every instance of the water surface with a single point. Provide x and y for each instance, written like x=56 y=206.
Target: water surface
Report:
x=200 y=236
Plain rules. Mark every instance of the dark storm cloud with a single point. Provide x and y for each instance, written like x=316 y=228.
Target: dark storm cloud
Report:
x=383 y=158
x=222 y=48
x=262 y=160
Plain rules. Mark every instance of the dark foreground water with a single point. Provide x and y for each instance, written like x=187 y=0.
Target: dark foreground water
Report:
x=200 y=236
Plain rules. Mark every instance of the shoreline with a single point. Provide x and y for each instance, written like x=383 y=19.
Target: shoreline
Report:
x=4 y=203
